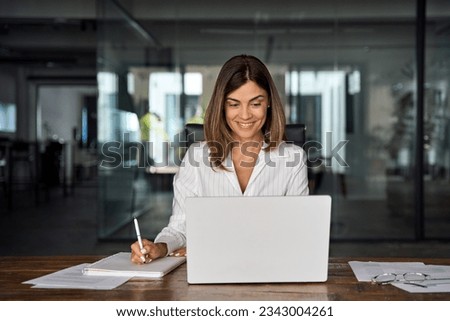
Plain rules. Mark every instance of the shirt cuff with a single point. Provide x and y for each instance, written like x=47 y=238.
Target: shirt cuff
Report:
x=172 y=244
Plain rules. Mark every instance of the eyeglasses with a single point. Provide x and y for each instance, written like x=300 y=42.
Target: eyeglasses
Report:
x=413 y=278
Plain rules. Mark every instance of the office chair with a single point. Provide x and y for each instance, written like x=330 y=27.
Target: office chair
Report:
x=295 y=133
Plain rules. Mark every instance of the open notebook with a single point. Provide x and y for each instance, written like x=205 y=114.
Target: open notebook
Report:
x=120 y=265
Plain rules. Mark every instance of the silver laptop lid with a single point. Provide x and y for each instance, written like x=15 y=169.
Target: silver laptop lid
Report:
x=258 y=239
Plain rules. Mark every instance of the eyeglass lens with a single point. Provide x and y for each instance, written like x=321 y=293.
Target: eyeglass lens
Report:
x=414 y=276
x=385 y=278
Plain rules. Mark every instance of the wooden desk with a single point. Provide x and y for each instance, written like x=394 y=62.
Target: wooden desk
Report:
x=341 y=285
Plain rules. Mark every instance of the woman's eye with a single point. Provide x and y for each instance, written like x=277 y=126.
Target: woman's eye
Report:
x=256 y=105
x=233 y=105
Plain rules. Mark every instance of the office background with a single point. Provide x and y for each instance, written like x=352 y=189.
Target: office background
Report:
x=84 y=82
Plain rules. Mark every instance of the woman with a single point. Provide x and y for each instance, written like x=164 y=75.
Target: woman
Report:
x=244 y=152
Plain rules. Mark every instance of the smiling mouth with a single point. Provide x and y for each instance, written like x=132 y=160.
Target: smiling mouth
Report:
x=245 y=125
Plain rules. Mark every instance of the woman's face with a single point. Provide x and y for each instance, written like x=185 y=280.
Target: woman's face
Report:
x=245 y=112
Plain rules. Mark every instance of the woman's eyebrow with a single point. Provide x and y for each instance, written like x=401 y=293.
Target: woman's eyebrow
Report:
x=257 y=97
x=251 y=99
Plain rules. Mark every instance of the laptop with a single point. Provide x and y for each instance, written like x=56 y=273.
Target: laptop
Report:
x=258 y=239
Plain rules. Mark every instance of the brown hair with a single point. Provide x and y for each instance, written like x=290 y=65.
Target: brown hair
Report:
x=234 y=73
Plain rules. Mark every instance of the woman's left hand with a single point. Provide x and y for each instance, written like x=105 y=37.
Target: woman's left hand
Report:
x=179 y=252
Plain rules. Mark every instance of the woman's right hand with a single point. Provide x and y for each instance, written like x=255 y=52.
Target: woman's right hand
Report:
x=150 y=251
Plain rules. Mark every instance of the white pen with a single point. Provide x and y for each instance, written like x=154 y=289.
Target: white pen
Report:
x=138 y=234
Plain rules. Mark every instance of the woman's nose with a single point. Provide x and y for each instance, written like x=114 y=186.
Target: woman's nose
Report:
x=245 y=113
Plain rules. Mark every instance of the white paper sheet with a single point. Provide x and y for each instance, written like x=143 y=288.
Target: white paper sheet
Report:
x=73 y=278
x=365 y=271
x=432 y=287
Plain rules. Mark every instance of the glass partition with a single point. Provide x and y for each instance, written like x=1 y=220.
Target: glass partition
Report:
x=122 y=105
x=346 y=70
x=437 y=121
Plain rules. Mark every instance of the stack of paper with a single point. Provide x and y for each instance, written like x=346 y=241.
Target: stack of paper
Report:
x=73 y=278
x=438 y=280
x=106 y=274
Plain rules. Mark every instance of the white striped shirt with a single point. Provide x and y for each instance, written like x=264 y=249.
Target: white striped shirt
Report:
x=279 y=172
